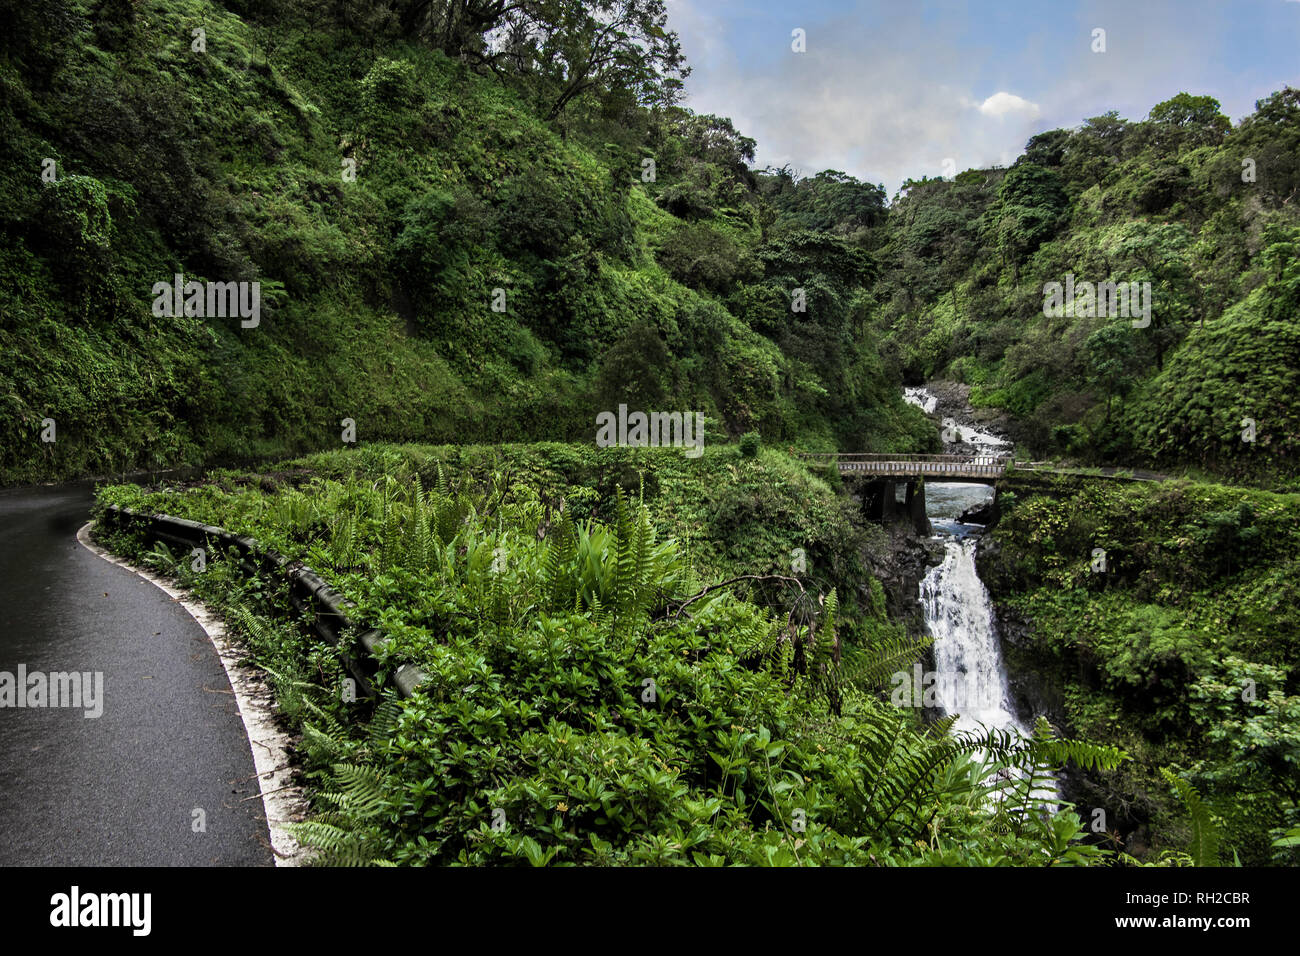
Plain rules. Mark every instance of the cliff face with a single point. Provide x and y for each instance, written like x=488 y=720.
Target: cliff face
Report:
x=899 y=566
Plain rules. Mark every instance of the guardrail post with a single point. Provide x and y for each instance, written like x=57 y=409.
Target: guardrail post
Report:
x=308 y=592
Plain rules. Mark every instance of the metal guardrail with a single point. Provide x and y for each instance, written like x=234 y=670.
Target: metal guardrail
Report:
x=308 y=592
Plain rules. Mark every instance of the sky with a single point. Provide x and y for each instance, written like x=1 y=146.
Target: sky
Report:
x=892 y=89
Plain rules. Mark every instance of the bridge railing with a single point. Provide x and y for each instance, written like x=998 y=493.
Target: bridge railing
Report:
x=987 y=466
x=885 y=456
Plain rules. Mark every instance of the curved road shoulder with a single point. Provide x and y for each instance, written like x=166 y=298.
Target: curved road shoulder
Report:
x=282 y=799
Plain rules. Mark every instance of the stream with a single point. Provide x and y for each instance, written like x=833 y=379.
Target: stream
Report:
x=970 y=677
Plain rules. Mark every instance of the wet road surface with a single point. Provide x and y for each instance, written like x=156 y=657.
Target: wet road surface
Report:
x=121 y=788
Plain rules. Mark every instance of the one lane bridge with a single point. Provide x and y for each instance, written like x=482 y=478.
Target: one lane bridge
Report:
x=880 y=474
x=984 y=469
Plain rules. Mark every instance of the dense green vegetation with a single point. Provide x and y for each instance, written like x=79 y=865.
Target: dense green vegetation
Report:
x=477 y=226
x=1201 y=210
x=381 y=189
x=1182 y=650
x=590 y=693
x=733 y=513
x=467 y=241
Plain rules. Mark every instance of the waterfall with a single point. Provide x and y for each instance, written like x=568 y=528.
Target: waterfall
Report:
x=922 y=398
x=957 y=434
x=970 y=679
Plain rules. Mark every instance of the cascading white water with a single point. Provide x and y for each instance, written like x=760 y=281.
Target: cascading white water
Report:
x=970 y=679
x=957 y=433
x=985 y=443
x=922 y=398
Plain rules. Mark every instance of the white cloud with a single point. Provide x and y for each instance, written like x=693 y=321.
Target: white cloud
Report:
x=1002 y=103
x=883 y=116
x=886 y=93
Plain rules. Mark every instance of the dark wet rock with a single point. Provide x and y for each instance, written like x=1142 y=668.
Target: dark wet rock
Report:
x=1034 y=686
x=899 y=566
x=953 y=404
x=980 y=514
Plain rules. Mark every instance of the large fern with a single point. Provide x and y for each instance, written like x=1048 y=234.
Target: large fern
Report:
x=335 y=842
x=906 y=770
x=558 y=565
x=1204 y=849
x=360 y=792
x=873 y=666
x=419 y=540
x=622 y=598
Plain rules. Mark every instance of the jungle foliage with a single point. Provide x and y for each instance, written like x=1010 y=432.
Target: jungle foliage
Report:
x=591 y=699
x=1178 y=646
x=1200 y=208
x=449 y=214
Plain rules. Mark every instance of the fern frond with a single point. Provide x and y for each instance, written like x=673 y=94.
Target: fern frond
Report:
x=383 y=724
x=624 y=566
x=335 y=845
x=558 y=569
x=873 y=667
x=361 y=790
x=1205 y=835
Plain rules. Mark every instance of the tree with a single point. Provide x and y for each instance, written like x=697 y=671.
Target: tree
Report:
x=1271 y=137
x=715 y=139
x=455 y=27
x=620 y=46
x=703 y=258
x=1114 y=365
x=1046 y=149
x=1256 y=736
x=37 y=37
x=1096 y=148
x=1159 y=253
x=1031 y=204
x=1189 y=120
x=434 y=253
x=704 y=167
x=633 y=371
x=800 y=255
x=832 y=201
x=606 y=44
x=78 y=229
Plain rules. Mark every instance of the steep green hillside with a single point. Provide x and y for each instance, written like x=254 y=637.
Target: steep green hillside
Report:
x=457 y=244
x=1176 y=643
x=440 y=258
x=1202 y=211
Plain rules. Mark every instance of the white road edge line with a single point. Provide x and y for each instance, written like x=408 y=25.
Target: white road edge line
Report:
x=282 y=800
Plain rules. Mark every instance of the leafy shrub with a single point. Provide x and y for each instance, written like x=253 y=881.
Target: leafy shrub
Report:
x=542 y=213
x=1183 y=645
x=389 y=85
x=703 y=258
x=76 y=222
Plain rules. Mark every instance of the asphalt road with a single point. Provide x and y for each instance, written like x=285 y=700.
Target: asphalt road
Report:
x=122 y=788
